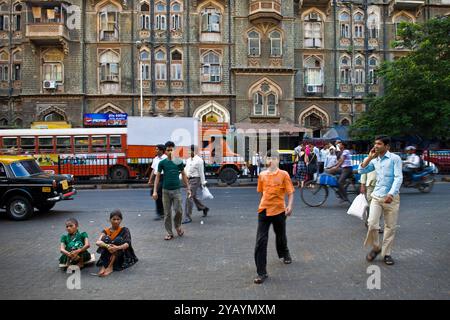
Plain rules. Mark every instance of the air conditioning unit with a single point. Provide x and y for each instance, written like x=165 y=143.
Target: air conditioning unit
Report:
x=313 y=16
x=49 y=84
x=215 y=27
x=311 y=89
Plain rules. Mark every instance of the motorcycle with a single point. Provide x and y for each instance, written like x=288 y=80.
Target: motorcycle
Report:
x=423 y=180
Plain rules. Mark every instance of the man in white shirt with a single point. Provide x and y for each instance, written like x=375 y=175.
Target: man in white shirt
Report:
x=160 y=155
x=412 y=162
x=196 y=176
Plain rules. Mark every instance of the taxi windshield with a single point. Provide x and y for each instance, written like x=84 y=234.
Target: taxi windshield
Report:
x=25 y=168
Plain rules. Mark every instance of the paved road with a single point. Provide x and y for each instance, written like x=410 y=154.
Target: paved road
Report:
x=214 y=260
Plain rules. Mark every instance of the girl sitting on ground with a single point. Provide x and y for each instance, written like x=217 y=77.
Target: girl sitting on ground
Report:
x=116 y=252
x=74 y=246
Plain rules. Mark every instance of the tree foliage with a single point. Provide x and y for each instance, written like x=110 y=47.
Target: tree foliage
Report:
x=416 y=101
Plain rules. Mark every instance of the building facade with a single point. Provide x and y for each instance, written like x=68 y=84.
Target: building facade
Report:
x=301 y=66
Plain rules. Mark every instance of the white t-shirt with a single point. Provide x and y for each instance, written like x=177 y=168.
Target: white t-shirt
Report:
x=156 y=161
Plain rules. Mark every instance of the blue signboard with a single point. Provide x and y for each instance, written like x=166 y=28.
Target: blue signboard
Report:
x=105 y=119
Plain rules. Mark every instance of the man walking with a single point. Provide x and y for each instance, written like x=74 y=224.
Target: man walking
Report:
x=274 y=184
x=171 y=194
x=196 y=177
x=160 y=155
x=385 y=197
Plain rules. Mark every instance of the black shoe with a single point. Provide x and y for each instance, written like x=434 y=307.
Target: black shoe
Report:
x=187 y=220
x=388 y=260
x=287 y=259
x=157 y=218
x=260 y=279
x=205 y=212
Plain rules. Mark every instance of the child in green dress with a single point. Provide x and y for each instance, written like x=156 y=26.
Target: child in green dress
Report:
x=74 y=246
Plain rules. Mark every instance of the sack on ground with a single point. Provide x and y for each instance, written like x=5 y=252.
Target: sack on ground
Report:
x=206 y=194
x=358 y=207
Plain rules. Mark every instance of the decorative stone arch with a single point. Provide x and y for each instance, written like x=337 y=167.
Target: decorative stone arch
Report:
x=50 y=110
x=212 y=107
x=109 y=108
x=345 y=120
x=104 y=3
x=314 y=9
x=210 y=3
x=403 y=13
x=18 y=122
x=273 y=86
x=315 y=110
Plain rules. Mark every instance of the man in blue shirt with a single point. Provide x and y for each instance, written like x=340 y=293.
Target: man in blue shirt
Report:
x=385 y=197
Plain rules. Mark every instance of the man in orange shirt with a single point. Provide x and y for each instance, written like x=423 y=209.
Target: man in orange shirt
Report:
x=274 y=184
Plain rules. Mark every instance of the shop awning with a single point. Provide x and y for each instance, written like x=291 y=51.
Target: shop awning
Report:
x=337 y=133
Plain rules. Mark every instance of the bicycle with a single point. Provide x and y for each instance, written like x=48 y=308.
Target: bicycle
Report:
x=315 y=192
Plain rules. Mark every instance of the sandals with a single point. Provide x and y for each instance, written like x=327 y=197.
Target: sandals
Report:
x=180 y=232
x=372 y=255
x=260 y=279
x=168 y=237
x=388 y=260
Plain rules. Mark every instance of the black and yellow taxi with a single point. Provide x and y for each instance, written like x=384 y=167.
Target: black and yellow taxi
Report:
x=25 y=186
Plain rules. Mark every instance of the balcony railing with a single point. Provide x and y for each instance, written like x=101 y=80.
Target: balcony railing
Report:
x=46 y=31
x=265 y=11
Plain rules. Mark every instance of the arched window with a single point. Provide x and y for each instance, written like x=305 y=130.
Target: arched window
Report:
x=276 y=44
x=53 y=67
x=345 y=122
x=17 y=65
x=176 y=65
x=313 y=74
x=254 y=43
x=313 y=26
x=344 y=20
x=211 y=20
x=18 y=123
x=372 y=24
x=313 y=121
x=271 y=104
x=53 y=116
x=359 y=70
x=160 y=17
x=3 y=122
x=211 y=67
x=373 y=64
x=109 y=66
x=176 y=17
x=145 y=16
x=258 y=104
x=17 y=17
x=265 y=100
x=145 y=64
x=4 y=66
x=109 y=23
x=345 y=71
x=160 y=65
x=358 y=28
x=399 y=20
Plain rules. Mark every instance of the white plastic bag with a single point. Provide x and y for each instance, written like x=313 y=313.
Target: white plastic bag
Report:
x=206 y=194
x=358 y=207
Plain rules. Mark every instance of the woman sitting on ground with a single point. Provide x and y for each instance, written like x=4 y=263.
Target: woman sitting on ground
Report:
x=116 y=252
x=74 y=246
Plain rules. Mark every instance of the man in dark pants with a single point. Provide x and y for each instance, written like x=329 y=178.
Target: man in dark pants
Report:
x=344 y=167
x=274 y=184
x=160 y=155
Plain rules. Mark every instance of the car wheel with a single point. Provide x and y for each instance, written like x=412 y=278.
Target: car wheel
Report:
x=46 y=207
x=19 y=208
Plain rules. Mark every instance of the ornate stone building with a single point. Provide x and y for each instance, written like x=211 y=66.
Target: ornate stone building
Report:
x=300 y=65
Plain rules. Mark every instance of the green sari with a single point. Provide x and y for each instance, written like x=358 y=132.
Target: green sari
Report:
x=74 y=242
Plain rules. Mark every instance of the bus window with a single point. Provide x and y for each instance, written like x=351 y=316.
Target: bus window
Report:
x=82 y=144
x=10 y=144
x=98 y=143
x=115 y=143
x=63 y=145
x=27 y=144
x=45 y=144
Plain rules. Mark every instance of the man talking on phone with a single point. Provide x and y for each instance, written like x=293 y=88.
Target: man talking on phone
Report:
x=385 y=197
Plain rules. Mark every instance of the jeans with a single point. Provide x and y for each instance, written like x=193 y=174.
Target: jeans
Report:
x=172 y=198
x=347 y=172
x=262 y=238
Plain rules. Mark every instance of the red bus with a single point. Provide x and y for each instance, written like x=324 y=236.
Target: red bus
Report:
x=97 y=152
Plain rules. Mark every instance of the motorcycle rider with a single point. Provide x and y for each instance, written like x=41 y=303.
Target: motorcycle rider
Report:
x=411 y=164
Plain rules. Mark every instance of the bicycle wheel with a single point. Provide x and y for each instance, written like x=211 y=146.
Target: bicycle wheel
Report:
x=352 y=188
x=314 y=194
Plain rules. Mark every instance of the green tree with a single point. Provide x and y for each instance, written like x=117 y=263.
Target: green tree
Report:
x=416 y=101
